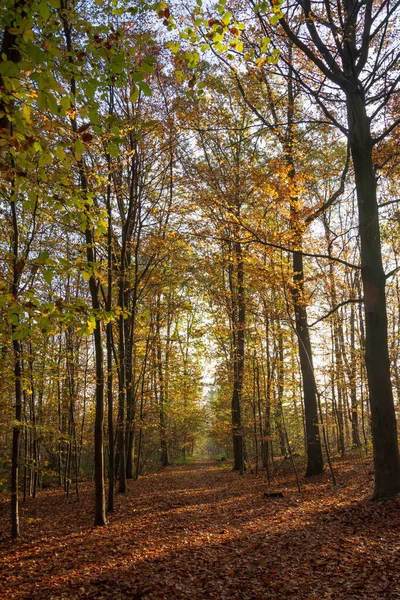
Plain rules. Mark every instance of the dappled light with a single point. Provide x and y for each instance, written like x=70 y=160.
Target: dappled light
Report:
x=205 y=532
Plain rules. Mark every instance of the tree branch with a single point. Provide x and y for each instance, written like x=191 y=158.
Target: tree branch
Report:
x=336 y=194
x=328 y=314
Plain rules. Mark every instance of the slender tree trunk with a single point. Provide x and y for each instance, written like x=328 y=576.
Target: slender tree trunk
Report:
x=140 y=440
x=100 y=509
x=238 y=363
x=15 y=530
x=254 y=409
x=110 y=417
x=17 y=266
x=130 y=420
x=122 y=488
x=315 y=463
x=161 y=390
x=279 y=408
x=110 y=421
x=100 y=512
x=264 y=450
x=266 y=379
x=338 y=380
x=26 y=448
x=355 y=428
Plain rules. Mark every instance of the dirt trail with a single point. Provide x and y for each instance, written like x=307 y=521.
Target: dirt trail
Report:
x=203 y=532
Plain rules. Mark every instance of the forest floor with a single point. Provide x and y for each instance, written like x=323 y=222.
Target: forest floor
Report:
x=200 y=531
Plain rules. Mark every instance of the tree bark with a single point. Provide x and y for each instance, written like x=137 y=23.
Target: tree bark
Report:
x=315 y=463
x=384 y=430
x=238 y=362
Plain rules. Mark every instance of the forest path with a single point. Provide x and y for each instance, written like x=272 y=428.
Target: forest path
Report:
x=200 y=531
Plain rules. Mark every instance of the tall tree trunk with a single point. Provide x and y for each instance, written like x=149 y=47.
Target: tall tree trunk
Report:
x=383 y=419
x=10 y=52
x=279 y=409
x=17 y=266
x=352 y=375
x=122 y=487
x=100 y=512
x=110 y=397
x=131 y=406
x=161 y=390
x=315 y=463
x=338 y=367
x=264 y=446
x=15 y=531
x=100 y=509
x=238 y=363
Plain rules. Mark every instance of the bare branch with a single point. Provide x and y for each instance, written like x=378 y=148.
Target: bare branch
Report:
x=332 y=199
x=336 y=308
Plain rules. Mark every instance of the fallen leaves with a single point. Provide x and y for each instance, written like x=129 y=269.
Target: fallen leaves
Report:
x=202 y=532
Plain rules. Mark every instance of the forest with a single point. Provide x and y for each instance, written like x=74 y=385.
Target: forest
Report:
x=199 y=299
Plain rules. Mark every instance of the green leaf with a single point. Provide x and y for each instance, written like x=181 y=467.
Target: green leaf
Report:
x=59 y=152
x=112 y=149
x=227 y=17
x=48 y=276
x=117 y=64
x=79 y=148
x=36 y=54
x=146 y=68
x=265 y=42
x=134 y=94
x=44 y=11
x=145 y=88
x=173 y=46
x=91 y=324
x=138 y=76
x=9 y=69
x=43 y=257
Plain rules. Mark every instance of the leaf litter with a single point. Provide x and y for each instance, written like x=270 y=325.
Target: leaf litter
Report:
x=201 y=531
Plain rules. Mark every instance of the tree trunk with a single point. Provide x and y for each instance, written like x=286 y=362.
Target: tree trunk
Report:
x=279 y=408
x=384 y=430
x=238 y=363
x=15 y=532
x=355 y=428
x=161 y=392
x=315 y=463
x=110 y=421
x=100 y=511
x=121 y=385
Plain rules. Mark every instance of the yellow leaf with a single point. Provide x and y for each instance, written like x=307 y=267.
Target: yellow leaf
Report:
x=28 y=35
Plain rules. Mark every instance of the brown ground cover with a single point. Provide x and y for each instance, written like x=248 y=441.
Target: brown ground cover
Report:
x=202 y=532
